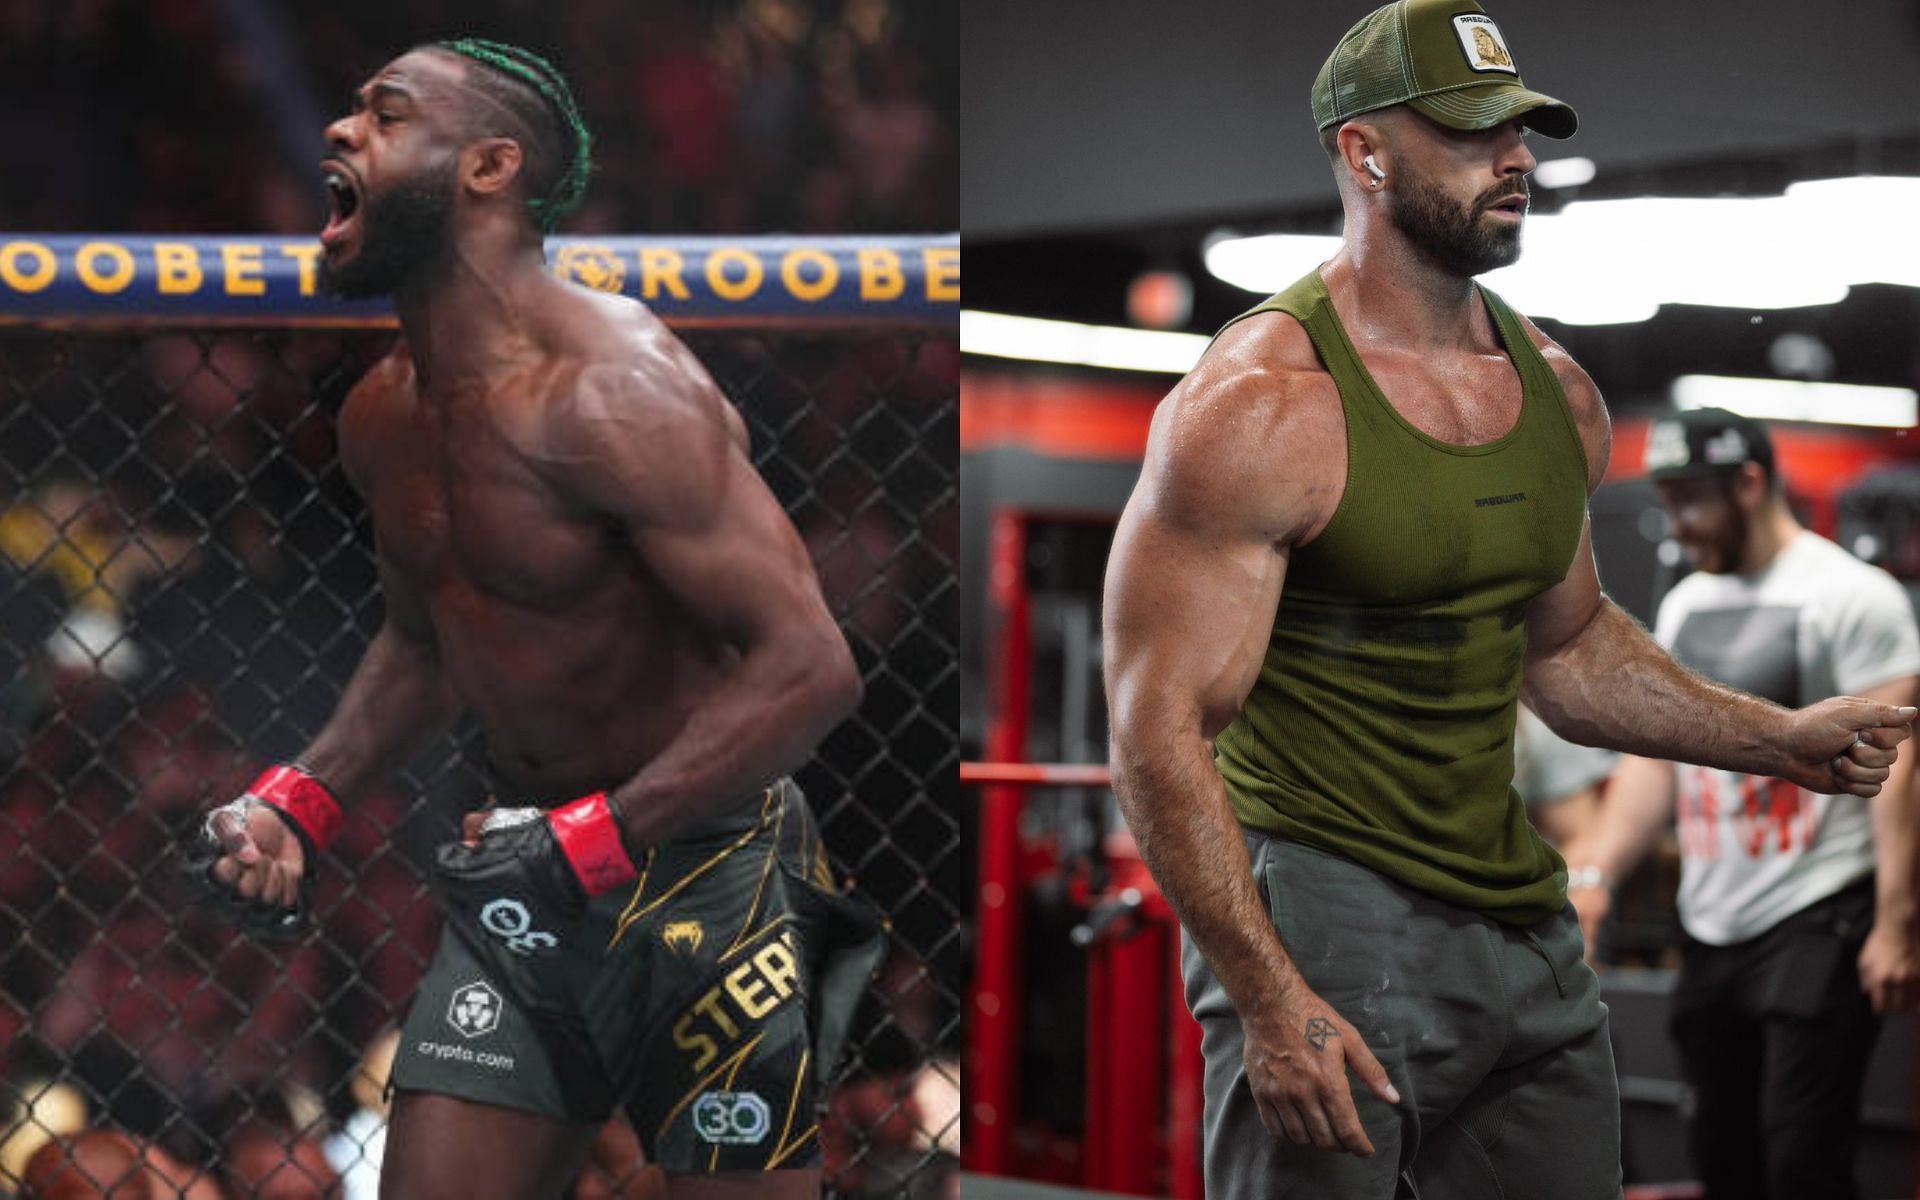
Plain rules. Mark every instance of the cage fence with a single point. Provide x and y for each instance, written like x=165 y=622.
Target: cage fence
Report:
x=186 y=582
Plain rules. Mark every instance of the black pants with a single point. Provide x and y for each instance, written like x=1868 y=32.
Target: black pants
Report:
x=1774 y=1035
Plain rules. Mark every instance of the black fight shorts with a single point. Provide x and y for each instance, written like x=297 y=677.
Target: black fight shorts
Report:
x=710 y=1000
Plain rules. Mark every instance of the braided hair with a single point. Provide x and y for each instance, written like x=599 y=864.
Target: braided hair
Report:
x=530 y=71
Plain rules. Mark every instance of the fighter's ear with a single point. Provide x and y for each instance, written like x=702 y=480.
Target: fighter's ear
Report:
x=489 y=165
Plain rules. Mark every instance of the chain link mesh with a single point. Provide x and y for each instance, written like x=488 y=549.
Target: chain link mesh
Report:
x=185 y=585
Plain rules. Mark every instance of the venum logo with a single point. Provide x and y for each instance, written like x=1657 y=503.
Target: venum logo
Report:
x=682 y=937
x=475 y=1010
x=731 y=1118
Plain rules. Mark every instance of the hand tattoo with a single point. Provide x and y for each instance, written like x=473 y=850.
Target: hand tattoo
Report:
x=1319 y=1029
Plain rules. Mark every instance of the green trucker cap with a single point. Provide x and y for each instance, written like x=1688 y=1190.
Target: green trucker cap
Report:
x=1445 y=58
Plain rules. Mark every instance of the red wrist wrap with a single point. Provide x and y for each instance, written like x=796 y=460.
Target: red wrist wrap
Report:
x=590 y=838
x=304 y=799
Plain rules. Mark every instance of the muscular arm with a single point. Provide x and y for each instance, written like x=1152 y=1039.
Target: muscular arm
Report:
x=395 y=703
x=657 y=447
x=1192 y=584
x=1608 y=683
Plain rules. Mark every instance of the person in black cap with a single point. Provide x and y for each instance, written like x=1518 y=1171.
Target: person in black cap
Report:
x=1320 y=776
x=1798 y=906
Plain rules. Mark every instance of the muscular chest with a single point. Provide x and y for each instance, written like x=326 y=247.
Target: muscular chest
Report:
x=462 y=510
x=1465 y=403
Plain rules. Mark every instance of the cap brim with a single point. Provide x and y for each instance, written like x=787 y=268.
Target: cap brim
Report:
x=1488 y=104
x=1695 y=471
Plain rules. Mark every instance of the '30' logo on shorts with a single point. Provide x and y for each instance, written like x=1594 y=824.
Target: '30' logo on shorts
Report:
x=510 y=920
x=731 y=1118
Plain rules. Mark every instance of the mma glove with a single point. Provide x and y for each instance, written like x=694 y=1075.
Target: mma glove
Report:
x=525 y=882
x=307 y=809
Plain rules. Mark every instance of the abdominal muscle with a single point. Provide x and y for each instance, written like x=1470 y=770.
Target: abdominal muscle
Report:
x=573 y=701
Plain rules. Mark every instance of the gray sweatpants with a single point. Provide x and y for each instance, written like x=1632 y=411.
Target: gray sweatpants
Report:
x=1494 y=1036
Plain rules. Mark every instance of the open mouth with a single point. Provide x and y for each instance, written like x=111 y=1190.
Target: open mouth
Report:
x=1512 y=206
x=343 y=203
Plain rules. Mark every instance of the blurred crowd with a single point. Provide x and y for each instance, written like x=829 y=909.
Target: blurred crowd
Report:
x=709 y=116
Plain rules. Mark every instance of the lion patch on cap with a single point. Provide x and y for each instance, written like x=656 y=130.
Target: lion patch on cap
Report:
x=1480 y=40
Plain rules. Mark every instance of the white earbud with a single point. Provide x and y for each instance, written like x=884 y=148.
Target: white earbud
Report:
x=1373 y=169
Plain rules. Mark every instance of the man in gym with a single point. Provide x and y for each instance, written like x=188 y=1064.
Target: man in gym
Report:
x=1320 y=777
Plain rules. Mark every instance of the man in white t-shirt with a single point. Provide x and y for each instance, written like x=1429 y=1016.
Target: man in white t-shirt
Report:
x=1559 y=780
x=1798 y=909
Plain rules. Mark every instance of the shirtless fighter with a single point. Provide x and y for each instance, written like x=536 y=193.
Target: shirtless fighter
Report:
x=574 y=548
x=1320 y=777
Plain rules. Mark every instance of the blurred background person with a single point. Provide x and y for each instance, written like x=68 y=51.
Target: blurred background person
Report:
x=1801 y=911
x=1560 y=781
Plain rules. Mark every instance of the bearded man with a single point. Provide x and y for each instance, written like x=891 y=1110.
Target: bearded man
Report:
x=575 y=549
x=1321 y=777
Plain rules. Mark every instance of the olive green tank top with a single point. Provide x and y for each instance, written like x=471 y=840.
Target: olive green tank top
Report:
x=1381 y=726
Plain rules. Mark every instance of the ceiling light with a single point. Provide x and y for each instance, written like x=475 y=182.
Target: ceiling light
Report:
x=1794 y=400
x=1563 y=172
x=1005 y=336
x=1613 y=261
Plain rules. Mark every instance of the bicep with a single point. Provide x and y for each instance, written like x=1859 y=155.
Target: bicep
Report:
x=1557 y=615
x=729 y=554
x=1188 y=614
x=1238 y=470
x=657 y=448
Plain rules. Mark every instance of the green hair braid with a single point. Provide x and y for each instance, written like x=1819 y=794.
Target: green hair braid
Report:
x=545 y=79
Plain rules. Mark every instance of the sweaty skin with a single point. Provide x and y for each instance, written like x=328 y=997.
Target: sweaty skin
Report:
x=579 y=544
x=1246 y=460
x=573 y=546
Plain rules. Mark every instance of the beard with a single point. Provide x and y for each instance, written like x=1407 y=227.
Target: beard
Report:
x=1722 y=555
x=1458 y=239
x=402 y=232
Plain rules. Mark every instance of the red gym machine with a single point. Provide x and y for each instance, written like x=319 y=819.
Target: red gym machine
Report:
x=1138 y=1130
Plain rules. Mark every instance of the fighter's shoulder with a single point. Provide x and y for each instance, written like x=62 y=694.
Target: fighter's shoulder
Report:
x=646 y=379
x=1584 y=401
x=634 y=403
x=1257 y=423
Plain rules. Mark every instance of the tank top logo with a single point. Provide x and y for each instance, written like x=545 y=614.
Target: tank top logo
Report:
x=1496 y=501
